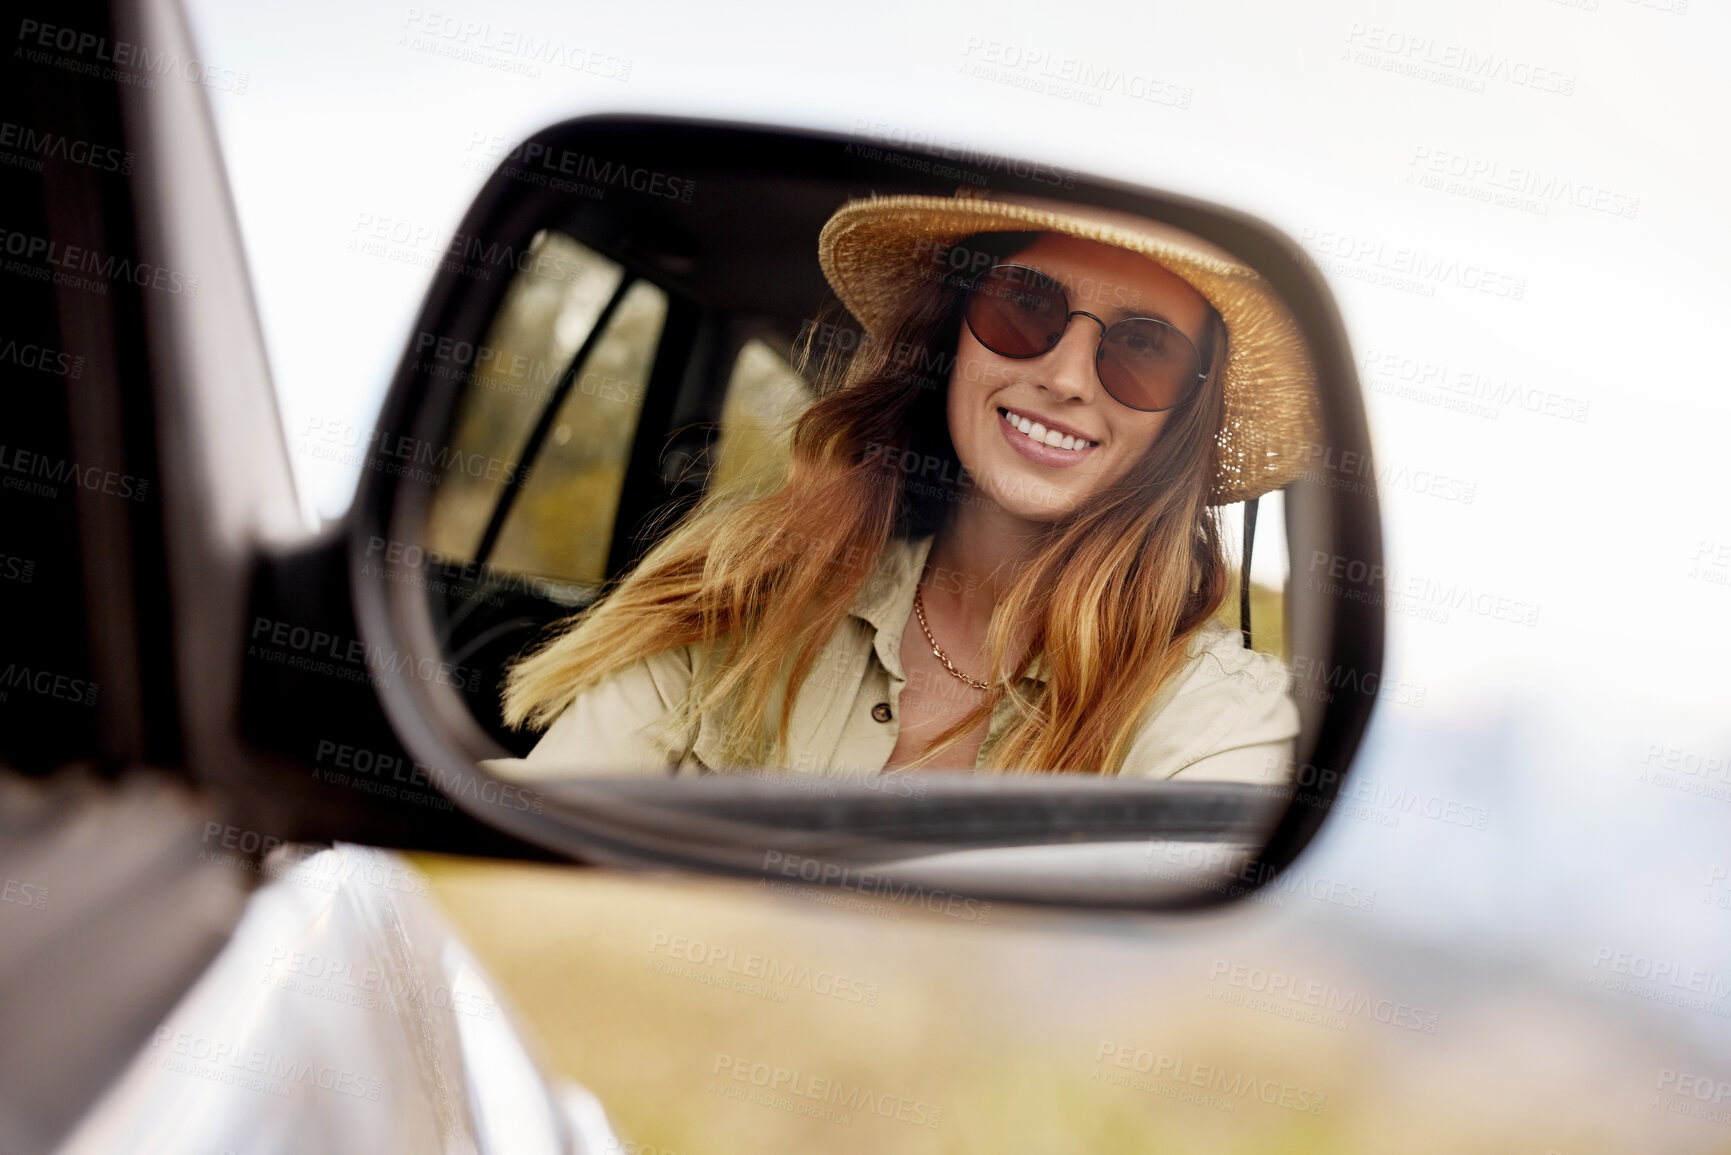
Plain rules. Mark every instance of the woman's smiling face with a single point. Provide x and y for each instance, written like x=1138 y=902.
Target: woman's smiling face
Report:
x=995 y=402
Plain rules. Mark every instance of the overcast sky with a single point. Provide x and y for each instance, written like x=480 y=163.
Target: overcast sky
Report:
x=1547 y=181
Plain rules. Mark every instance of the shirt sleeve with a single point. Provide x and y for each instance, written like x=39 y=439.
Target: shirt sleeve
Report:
x=1229 y=720
x=620 y=727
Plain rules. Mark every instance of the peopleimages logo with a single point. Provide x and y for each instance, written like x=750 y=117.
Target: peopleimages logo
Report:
x=1353 y=472
x=1450 y=64
x=1693 y=1095
x=379 y=773
x=1066 y=77
x=876 y=885
x=764 y=969
x=1231 y=1086
x=1463 y=389
x=368 y=984
x=504 y=48
x=20 y=893
x=1280 y=988
x=321 y=652
x=255 y=1069
x=1318 y=680
x=119 y=60
x=427 y=568
x=73 y=260
x=897 y=137
x=47 y=684
x=40 y=146
x=412 y=458
x=802 y=1093
x=1354 y=579
x=1512 y=186
x=1661 y=980
x=41 y=358
x=41 y=475
x=565 y=170
x=1403 y=267
x=1213 y=868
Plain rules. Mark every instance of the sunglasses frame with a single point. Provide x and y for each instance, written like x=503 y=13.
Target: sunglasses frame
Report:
x=1190 y=391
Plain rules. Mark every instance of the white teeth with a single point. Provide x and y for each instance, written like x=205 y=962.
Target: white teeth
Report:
x=1052 y=437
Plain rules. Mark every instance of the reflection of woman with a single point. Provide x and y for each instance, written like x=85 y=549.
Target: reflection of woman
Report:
x=994 y=547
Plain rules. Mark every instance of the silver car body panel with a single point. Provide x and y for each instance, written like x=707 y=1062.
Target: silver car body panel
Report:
x=344 y=1015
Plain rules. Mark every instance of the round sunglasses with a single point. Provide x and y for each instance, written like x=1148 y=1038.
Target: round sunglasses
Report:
x=1143 y=362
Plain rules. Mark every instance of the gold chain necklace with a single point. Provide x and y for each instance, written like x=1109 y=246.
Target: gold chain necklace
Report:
x=937 y=650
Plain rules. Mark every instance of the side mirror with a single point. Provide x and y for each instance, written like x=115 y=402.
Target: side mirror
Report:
x=616 y=338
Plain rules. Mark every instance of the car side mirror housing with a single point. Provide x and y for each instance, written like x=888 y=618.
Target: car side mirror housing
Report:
x=698 y=242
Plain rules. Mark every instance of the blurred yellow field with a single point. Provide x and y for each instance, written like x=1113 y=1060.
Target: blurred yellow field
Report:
x=714 y=1017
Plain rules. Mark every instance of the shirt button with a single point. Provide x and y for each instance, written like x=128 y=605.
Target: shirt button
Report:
x=881 y=712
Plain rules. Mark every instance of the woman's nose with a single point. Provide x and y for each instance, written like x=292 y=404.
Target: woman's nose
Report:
x=1067 y=370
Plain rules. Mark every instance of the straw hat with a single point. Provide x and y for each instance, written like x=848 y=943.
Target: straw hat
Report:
x=875 y=253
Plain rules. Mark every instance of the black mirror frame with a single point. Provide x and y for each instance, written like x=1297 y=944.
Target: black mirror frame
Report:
x=594 y=823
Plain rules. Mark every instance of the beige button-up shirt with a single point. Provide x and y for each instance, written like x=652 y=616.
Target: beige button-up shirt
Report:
x=1225 y=716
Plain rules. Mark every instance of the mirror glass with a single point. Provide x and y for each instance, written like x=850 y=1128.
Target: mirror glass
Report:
x=768 y=485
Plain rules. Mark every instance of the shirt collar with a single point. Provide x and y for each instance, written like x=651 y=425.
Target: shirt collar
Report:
x=887 y=597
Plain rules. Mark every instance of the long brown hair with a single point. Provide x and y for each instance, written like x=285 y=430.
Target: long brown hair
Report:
x=757 y=585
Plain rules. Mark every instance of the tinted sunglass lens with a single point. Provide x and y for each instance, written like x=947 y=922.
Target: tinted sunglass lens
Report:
x=1147 y=364
x=1017 y=312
